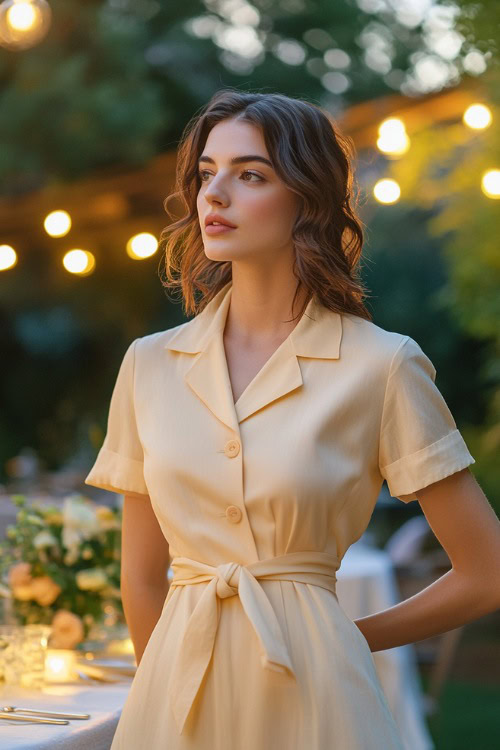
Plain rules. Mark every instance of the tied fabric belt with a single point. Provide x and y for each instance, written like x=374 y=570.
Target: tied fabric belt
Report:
x=231 y=579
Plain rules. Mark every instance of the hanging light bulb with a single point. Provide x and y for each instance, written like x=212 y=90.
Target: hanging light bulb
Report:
x=393 y=139
x=386 y=191
x=8 y=257
x=78 y=261
x=57 y=223
x=142 y=246
x=23 y=23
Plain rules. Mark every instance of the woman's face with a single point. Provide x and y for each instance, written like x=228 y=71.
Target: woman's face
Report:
x=249 y=195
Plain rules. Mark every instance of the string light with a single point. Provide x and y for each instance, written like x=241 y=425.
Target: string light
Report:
x=393 y=139
x=79 y=262
x=57 y=223
x=8 y=257
x=142 y=246
x=387 y=191
x=23 y=23
x=477 y=116
x=490 y=183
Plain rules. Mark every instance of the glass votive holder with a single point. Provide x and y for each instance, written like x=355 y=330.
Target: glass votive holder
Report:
x=22 y=654
x=60 y=665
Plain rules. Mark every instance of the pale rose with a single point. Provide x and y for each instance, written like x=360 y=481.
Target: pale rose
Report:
x=91 y=579
x=20 y=574
x=67 y=630
x=44 y=539
x=45 y=590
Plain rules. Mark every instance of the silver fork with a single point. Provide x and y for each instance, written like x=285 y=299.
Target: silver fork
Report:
x=49 y=714
x=31 y=719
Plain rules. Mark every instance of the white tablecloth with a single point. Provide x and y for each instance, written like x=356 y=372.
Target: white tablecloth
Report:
x=103 y=702
x=366 y=584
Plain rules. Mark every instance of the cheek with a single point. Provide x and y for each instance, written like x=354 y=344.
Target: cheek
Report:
x=271 y=213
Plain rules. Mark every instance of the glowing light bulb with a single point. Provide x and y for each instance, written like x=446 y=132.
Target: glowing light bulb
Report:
x=142 y=246
x=393 y=139
x=490 y=183
x=8 y=257
x=387 y=191
x=57 y=223
x=79 y=261
x=477 y=116
x=23 y=23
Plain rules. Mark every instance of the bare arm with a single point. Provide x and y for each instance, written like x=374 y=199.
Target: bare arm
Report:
x=144 y=564
x=469 y=531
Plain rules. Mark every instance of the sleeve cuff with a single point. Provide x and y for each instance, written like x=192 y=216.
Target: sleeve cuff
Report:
x=117 y=474
x=411 y=473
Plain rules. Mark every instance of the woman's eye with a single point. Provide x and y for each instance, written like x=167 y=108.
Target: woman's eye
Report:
x=246 y=171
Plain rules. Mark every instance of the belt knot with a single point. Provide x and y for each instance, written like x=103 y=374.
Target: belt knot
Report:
x=225 y=573
x=231 y=579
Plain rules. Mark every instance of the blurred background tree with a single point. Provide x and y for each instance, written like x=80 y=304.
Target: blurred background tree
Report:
x=113 y=85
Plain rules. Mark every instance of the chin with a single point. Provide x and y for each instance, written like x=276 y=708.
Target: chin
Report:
x=219 y=255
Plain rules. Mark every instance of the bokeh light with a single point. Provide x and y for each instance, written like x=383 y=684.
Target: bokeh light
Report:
x=386 y=191
x=79 y=262
x=142 y=246
x=57 y=223
x=23 y=23
x=8 y=257
x=393 y=139
x=490 y=183
x=477 y=116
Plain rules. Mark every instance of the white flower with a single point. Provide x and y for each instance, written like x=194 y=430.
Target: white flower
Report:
x=44 y=539
x=79 y=521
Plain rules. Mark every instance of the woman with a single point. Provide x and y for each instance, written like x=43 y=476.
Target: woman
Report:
x=251 y=444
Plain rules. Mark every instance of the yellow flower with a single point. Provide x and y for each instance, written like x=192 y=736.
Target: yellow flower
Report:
x=91 y=579
x=104 y=513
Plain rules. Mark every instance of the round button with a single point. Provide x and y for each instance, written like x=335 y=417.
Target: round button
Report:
x=232 y=448
x=233 y=514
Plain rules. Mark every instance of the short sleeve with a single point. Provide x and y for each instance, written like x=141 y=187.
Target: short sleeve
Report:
x=419 y=440
x=119 y=463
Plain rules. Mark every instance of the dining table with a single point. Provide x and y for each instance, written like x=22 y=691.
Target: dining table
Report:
x=102 y=701
x=366 y=584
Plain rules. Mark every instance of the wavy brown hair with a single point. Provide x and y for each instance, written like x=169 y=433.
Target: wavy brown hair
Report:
x=314 y=160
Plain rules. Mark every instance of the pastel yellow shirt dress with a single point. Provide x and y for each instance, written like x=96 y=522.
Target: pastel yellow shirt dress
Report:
x=259 y=501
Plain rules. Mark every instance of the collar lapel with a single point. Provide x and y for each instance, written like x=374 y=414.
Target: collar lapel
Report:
x=208 y=375
x=317 y=334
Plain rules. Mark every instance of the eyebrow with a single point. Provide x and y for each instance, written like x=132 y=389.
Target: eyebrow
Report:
x=239 y=159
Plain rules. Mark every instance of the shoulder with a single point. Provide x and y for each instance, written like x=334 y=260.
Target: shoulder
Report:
x=371 y=341
x=154 y=343
x=391 y=351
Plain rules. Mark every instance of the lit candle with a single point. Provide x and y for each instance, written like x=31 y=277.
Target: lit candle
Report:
x=60 y=665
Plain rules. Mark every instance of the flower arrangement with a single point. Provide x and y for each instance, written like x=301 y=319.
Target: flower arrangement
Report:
x=61 y=566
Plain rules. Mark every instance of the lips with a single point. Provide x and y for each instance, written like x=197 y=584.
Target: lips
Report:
x=218 y=229
x=211 y=218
